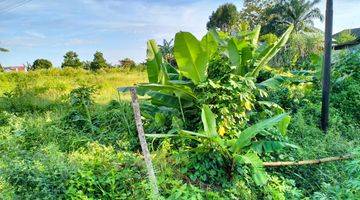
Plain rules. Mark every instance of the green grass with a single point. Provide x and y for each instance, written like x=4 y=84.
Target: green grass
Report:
x=54 y=84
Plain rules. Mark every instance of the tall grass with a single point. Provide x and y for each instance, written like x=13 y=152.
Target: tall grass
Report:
x=55 y=83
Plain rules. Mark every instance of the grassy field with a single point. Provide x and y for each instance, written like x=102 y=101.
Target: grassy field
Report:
x=54 y=84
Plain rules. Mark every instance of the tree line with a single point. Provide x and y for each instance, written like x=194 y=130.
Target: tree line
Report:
x=71 y=59
x=273 y=15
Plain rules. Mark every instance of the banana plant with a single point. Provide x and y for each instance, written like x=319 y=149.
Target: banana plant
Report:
x=245 y=54
x=193 y=57
x=238 y=149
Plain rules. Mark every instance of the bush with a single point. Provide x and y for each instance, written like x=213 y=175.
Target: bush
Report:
x=104 y=174
x=39 y=175
x=127 y=63
x=22 y=99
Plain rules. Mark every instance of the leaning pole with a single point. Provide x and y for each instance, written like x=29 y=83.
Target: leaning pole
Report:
x=143 y=144
x=327 y=66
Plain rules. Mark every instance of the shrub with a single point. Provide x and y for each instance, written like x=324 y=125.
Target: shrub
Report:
x=23 y=99
x=127 y=63
x=42 y=175
x=106 y=174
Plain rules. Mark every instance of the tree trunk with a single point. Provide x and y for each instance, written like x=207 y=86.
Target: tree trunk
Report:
x=327 y=66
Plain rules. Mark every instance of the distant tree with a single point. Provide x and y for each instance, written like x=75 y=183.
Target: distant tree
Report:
x=3 y=50
x=127 y=63
x=254 y=11
x=167 y=50
x=41 y=64
x=224 y=18
x=301 y=13
x=98 y=62
x=71 y=59
x=1 y=68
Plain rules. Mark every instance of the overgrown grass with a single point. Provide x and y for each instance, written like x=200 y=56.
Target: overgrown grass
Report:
x=54 y=84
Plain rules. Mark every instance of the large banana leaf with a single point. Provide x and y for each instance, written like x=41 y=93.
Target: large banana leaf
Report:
x=209 y=121
x=191 y=58
x=154 y=61
x=272 y=51
x=233 y=53
x=256 y=35
x=272 y=83
x=168 y=100
x=217 y=37
x=258 y=171
x=182 y=90
x=270 y=146
x=244 y=138
x=209 y=44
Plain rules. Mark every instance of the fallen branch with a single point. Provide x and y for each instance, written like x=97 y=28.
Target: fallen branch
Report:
x=308 y=162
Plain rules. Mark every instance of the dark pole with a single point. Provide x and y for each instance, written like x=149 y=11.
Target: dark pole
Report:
x=327 y=66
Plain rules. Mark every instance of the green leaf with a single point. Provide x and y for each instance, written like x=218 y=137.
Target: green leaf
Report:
x=154 y=61
x=191 y=57
x=233 y=52
x=270 y=146
x=139 y=91
x=163 y=99
x=272 y=83
x=256 y=35
x=217 y=37
x=209 y=121
x=209 y=44
x=271 y=52
x=283 y=124
x=182 y=90
x=184 y=132
x=258 y=171
x=245 y=137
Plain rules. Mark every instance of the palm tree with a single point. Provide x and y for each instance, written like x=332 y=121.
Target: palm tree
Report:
x=3 y=50
x=301 y=13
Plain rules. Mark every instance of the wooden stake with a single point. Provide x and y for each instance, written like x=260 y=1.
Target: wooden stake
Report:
x=307 y=162
x=327 y=66
x=141 y=135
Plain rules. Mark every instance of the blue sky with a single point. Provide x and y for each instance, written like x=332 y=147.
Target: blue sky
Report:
x=118 y=28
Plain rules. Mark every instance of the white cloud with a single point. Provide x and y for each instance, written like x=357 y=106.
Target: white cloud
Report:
x=35 y=34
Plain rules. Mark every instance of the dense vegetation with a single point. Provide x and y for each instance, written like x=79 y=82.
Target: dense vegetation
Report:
x=214 y=111
x=74 y=137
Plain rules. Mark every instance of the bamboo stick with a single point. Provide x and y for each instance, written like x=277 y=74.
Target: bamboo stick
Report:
x=307 y=162
x=141 y=134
